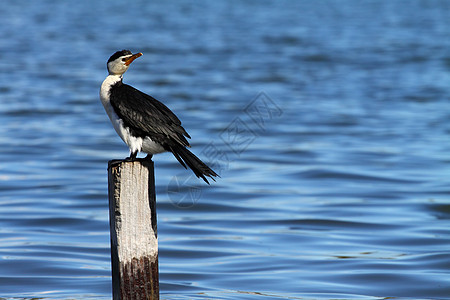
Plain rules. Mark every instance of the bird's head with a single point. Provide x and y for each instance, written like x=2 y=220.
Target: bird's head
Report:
x=120 y=61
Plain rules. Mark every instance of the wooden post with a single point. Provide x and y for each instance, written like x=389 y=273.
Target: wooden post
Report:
x=134 y=242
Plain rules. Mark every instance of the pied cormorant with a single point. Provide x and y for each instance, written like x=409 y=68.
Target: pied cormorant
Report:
x=144 y=123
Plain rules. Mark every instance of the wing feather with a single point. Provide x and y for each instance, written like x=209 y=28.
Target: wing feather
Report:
x=147 y=116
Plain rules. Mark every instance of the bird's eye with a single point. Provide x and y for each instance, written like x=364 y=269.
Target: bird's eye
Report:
x=124 y=59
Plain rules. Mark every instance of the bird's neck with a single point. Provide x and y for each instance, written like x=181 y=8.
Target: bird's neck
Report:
x=106 y=86
x=110 y=81
x=114 y=78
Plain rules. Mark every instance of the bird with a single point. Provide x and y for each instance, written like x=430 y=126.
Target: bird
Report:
x=144 y=123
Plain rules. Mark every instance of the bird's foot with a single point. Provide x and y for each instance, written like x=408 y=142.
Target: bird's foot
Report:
x=132 y=157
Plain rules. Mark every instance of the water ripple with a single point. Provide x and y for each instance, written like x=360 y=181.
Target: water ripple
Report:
x=334 y=186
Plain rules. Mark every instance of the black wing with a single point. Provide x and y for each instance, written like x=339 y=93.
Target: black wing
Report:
x=146 y=116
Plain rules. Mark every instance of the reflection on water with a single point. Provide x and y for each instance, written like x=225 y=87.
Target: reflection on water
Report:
x=328 y=123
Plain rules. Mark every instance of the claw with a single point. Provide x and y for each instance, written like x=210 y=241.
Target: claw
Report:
x=132 y=156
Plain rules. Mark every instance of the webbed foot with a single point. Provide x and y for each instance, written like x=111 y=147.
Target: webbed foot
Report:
x=132 y=156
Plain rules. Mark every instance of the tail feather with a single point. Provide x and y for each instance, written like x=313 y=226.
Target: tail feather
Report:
x=186 y=157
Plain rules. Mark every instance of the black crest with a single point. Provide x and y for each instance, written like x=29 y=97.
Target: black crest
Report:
x=119 y=54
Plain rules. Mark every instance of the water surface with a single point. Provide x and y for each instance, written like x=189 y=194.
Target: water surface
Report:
x=327 y=121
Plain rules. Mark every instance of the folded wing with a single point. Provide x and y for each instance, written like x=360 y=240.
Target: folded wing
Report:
x=147 y=117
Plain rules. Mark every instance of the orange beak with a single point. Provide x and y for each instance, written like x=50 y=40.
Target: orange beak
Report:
x=131 y=58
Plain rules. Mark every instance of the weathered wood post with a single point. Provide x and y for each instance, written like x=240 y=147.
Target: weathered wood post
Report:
x=134 y=243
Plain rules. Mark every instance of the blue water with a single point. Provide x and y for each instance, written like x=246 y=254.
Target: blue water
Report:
x=328 y=122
